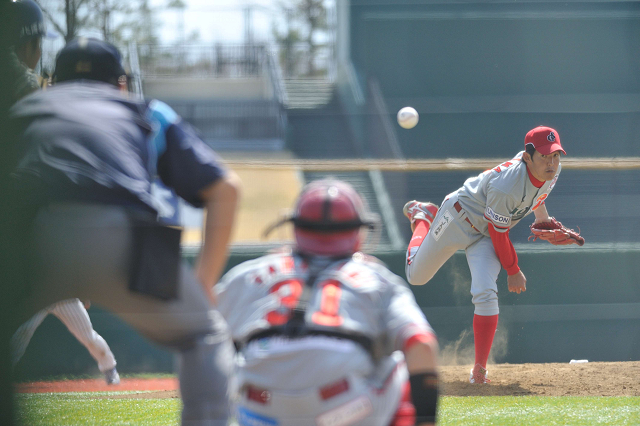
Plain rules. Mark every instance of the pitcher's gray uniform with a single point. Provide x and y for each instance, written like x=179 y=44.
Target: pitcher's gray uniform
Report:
x=73 y=314
x=334 y=380
x=501 y=196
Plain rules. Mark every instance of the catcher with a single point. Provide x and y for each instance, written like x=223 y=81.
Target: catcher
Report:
x=477 y=218
x=327 y=335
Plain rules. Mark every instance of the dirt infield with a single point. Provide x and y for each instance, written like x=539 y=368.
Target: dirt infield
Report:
x=98 y=385
x=590 y=379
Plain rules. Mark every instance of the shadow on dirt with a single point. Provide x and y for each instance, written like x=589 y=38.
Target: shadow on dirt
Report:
x=464 y=388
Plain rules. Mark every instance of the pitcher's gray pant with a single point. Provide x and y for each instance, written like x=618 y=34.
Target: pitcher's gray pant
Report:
x=449 y=233
x=84 y=251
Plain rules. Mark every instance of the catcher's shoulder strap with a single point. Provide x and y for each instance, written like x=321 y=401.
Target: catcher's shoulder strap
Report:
x=296 y=326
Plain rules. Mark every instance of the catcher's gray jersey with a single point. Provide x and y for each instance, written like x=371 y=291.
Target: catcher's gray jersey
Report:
x=355 y=296
x=502 y=195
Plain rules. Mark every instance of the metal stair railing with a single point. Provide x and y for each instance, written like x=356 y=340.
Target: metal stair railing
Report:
x=136 y=74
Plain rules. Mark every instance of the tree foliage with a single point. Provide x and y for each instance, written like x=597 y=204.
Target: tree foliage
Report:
x=117 y=21
x=66 y=16
x=112 y=18
x=305 y=20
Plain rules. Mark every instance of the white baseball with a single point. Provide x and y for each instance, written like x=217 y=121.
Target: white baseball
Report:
x=408 y=118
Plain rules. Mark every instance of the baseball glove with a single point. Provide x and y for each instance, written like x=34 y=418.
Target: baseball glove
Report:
x=555 y=233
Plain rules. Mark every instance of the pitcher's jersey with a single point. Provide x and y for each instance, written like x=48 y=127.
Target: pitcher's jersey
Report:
x=353 y=296
x=502 y=195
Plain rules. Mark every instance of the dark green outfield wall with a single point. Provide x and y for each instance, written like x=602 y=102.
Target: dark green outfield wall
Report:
x=580 y=304
x=481 y=74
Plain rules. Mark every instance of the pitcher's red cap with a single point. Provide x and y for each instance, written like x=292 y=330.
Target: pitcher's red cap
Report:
x=544 y=139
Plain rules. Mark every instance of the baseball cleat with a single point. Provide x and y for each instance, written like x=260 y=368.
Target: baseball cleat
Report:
x=478 y=374
x=417 y=210
x=112 y=377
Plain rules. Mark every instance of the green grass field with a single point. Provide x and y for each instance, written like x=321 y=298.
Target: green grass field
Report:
x=85 y=409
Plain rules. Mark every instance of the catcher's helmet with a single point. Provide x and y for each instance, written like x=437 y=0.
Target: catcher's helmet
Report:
x=328 y=218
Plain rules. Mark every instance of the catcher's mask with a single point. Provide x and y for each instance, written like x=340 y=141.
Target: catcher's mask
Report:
x=328 y=218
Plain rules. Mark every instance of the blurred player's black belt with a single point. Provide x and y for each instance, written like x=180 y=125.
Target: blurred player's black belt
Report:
x=458 y=208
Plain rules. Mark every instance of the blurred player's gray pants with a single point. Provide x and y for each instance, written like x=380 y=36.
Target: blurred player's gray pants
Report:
x=84 y=251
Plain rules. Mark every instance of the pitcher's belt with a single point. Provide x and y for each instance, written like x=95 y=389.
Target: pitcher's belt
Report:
x=458 y=208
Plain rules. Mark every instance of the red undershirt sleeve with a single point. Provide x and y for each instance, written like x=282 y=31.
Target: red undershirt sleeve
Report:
x=422 y=337
x=504 y=250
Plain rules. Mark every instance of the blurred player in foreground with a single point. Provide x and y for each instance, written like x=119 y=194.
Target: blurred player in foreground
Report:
x=27 y=47
x=90 y=154
x=477 y=218
x=21 y=31
x=74 y=315
x=24 y=56
x=322 y=330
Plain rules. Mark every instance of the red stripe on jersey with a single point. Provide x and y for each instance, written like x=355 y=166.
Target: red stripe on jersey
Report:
x=334 y=389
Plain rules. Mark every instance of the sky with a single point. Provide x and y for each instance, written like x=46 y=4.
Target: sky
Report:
x=218 y=20
x=213 y=20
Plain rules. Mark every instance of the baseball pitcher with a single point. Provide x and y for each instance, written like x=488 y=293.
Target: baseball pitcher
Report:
x=322 y=330
x=477 y=218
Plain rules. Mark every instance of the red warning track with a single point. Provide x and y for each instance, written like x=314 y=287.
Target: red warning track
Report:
x=98 y=385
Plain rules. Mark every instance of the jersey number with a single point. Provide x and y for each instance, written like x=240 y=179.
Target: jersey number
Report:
x=505 y=165
x=289 y=293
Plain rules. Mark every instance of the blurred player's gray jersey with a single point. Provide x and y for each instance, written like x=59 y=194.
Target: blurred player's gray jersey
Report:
x=354 y=296
x=502 y=195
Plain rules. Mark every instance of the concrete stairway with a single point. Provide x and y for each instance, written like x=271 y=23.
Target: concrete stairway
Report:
x=307 y=92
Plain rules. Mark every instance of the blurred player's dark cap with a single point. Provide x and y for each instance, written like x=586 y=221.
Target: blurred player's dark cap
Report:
x=89 y=59
x=28 y=20
x=544 y=139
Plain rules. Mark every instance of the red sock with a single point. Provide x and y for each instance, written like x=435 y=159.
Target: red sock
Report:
x=419 y=234
x=484 y=328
